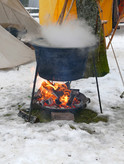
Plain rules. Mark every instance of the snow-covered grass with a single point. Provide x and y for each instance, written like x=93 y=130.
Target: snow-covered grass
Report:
x=56 y=142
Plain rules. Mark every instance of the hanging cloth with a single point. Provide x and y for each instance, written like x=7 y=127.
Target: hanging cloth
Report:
x=106 y=14
x=49 y=10
x=121 y=6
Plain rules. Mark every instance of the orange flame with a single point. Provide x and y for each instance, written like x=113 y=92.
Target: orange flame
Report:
x=49 y=89
x=56 y=94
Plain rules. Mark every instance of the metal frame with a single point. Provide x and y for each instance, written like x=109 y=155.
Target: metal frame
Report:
x=97 y=84
x=34 y=85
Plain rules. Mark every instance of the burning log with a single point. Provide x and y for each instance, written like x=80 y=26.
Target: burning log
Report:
x=83 y=101
x=59 y=96
x=49 y=101
x=58 y=102
x=37 y=95
x=73 y=94
x=68 y=84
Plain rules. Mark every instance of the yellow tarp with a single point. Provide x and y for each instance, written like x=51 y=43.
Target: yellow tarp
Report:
x=106 y=6
x=50 y=10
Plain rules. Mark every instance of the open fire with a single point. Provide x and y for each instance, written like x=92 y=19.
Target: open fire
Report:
x=59 y=96
x=55 y=101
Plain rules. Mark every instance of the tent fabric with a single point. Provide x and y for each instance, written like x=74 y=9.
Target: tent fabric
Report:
x=12 y=51
x=46 y=11
x=13 y=13
x=58 y=9
x=51 y=10
x=106 y=14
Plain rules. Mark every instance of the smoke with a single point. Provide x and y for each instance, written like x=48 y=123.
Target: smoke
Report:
x=71 y=34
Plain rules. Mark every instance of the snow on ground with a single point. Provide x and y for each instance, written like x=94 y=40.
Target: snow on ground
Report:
x=56 y=142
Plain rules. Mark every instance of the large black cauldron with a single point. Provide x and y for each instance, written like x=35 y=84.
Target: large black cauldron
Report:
x=60 y=64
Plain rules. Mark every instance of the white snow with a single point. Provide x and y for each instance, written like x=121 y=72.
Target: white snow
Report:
x=56 y=142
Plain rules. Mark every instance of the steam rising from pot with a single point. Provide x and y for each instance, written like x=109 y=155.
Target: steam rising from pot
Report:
x=71 y=34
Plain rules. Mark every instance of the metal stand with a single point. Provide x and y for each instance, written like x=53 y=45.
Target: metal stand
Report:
x=97 y=84
x=34 y=85
x=95 y=70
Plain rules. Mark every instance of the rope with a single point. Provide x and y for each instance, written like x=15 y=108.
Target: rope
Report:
x=117 y=64
x=119 y=70
x=122 y=80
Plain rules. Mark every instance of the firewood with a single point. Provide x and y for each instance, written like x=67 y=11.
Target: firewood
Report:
x=25 y=116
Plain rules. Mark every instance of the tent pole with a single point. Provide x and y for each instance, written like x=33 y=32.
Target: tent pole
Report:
x=120 y=17
x=60 y=20
x=32 y=98
x=99 y=7
x=69 y=10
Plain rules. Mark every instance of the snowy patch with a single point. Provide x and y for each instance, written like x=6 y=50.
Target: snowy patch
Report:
x=56 y=142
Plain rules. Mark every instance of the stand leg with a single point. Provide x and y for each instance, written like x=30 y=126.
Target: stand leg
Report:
x=97 y=84
x=35 y=78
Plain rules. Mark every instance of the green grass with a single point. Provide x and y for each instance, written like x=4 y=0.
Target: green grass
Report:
x=83 y=116
x=89 y=116
x=7 y=115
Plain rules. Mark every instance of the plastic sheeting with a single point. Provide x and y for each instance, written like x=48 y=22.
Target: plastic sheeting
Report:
x=50 y=10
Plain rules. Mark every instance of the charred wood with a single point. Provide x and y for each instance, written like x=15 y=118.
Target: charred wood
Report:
x=37 y=95
x=68 y=84
x=25 y=116
x=57 y=101
x=49 y=101
x=72 y=96
x=74 y=93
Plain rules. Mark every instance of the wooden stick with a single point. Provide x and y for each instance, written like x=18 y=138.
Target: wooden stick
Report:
x=120 y=17
x=69 y=10
x=60 y=20
x=99 y=7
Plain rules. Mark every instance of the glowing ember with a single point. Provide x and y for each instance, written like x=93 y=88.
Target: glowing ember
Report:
x=56 y=94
